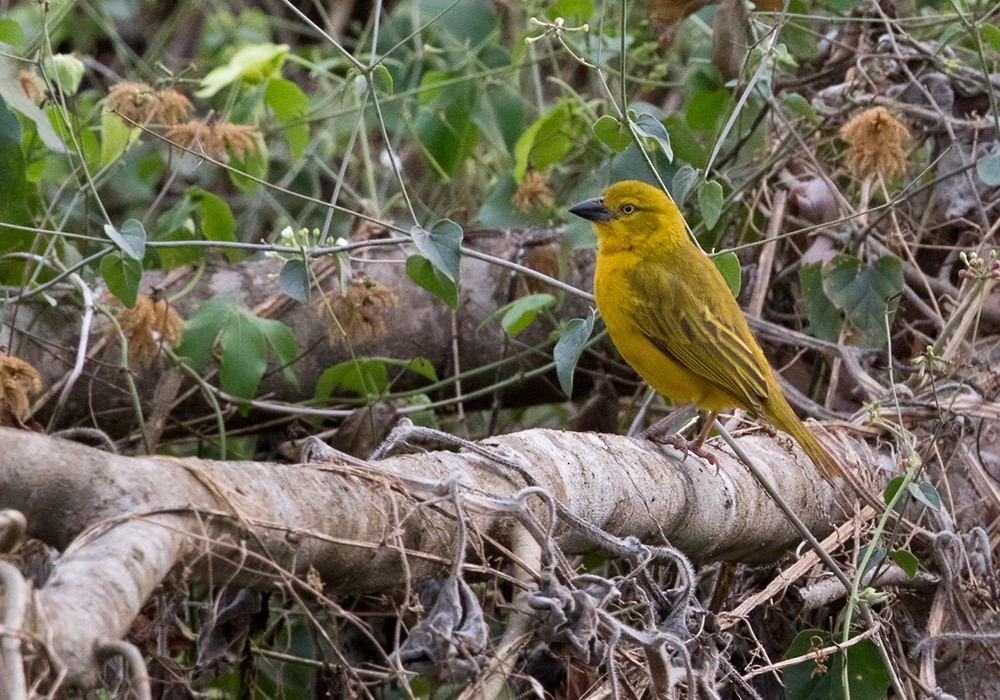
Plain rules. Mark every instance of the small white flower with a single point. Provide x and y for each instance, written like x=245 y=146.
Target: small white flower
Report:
x=388 y=159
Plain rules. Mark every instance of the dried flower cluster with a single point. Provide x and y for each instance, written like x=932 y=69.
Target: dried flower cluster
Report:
x=540 y=258
x=18 y=380
x=359 y=314
x=148 y=326
x=534 y=193
x=875 y=143
x=31 y=85
x=140 y=104
x=212 y=137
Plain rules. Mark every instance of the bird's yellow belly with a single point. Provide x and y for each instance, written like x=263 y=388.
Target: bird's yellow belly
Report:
x=666 y=376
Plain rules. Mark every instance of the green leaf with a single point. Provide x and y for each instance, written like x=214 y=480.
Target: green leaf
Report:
x=364 y=376
x=729 y=266
x=799 y=42
x=876 y=557
x=824 y=319
x=122 y=276
x=609 y=131
x=569 y=348
x=290 y=105
x=680 y=186
x=421 y=272
x=242 y=448
x=867 y=678
x=465 y=24
x=171 y=257
x=131 y=239
x=906 y=561
x=65 y=70
x=116 y=137
x=243 y=360
x=547 y=140
x=647 y=126
x=891 y=489
x=281 y=342
x=684 y=142
x=990 y=33
x=797 y=104
x=519 y=314
x=442 y=245
x=706 y=77
x=420 y=365
x=252 y=63
x=865 y=293
x=926 y=494
x=843 y=7
x=706 y=109
x=217 y=220
x=225 y=329
x=381 y=78
x=13 y=96
x=444 y=125
x=176 y=224
x=988 y=169
x=368 y=376
x=710 y=198
x=11 y=33
x=77 y=134
x=13 y=182
x=497 y=212
x=433 y=84
x=294 y=280
x=499 y=115
x=579 y=9
x=254 y=164
x=201 y=331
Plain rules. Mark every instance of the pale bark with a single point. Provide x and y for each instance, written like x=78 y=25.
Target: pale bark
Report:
x=124 y=523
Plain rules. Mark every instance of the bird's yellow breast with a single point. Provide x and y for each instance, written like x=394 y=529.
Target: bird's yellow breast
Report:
x=613 y=294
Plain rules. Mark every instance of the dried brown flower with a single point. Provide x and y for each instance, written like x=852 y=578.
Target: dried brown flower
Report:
x=148 y=326
x=174 y=107
x=533 y=193
x=212 y=137
x=875 y=143
x=141 y=104
x=542 y=258
x=359 y=314
x=18 y=380
x=31 y=85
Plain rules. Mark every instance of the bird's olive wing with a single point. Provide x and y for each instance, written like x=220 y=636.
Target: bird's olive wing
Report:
x=676 y=314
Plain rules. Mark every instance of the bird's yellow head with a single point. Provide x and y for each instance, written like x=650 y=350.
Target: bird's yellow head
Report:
x=632 y=215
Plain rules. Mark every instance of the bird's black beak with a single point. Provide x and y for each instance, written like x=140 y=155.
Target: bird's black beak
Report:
x=593 y=210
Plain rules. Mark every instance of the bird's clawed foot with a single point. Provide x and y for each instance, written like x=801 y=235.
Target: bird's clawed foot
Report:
x=683 y=444
x=658 y=433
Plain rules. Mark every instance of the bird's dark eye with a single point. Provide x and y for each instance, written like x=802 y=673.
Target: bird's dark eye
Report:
x=628 y=208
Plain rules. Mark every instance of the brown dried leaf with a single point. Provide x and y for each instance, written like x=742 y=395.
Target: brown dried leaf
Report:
x=18 y=381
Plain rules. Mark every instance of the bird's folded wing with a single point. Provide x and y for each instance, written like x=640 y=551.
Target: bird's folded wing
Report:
x=681 y=325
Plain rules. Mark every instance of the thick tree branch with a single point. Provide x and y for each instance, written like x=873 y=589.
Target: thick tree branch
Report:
x=126 y=522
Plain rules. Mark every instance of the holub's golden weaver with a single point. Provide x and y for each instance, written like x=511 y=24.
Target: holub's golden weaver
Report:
x=672 y=317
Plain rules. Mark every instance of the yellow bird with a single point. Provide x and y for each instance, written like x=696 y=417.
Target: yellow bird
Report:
x=672 y=317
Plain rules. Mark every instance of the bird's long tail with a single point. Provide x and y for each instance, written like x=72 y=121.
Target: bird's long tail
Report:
x=781 y=415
